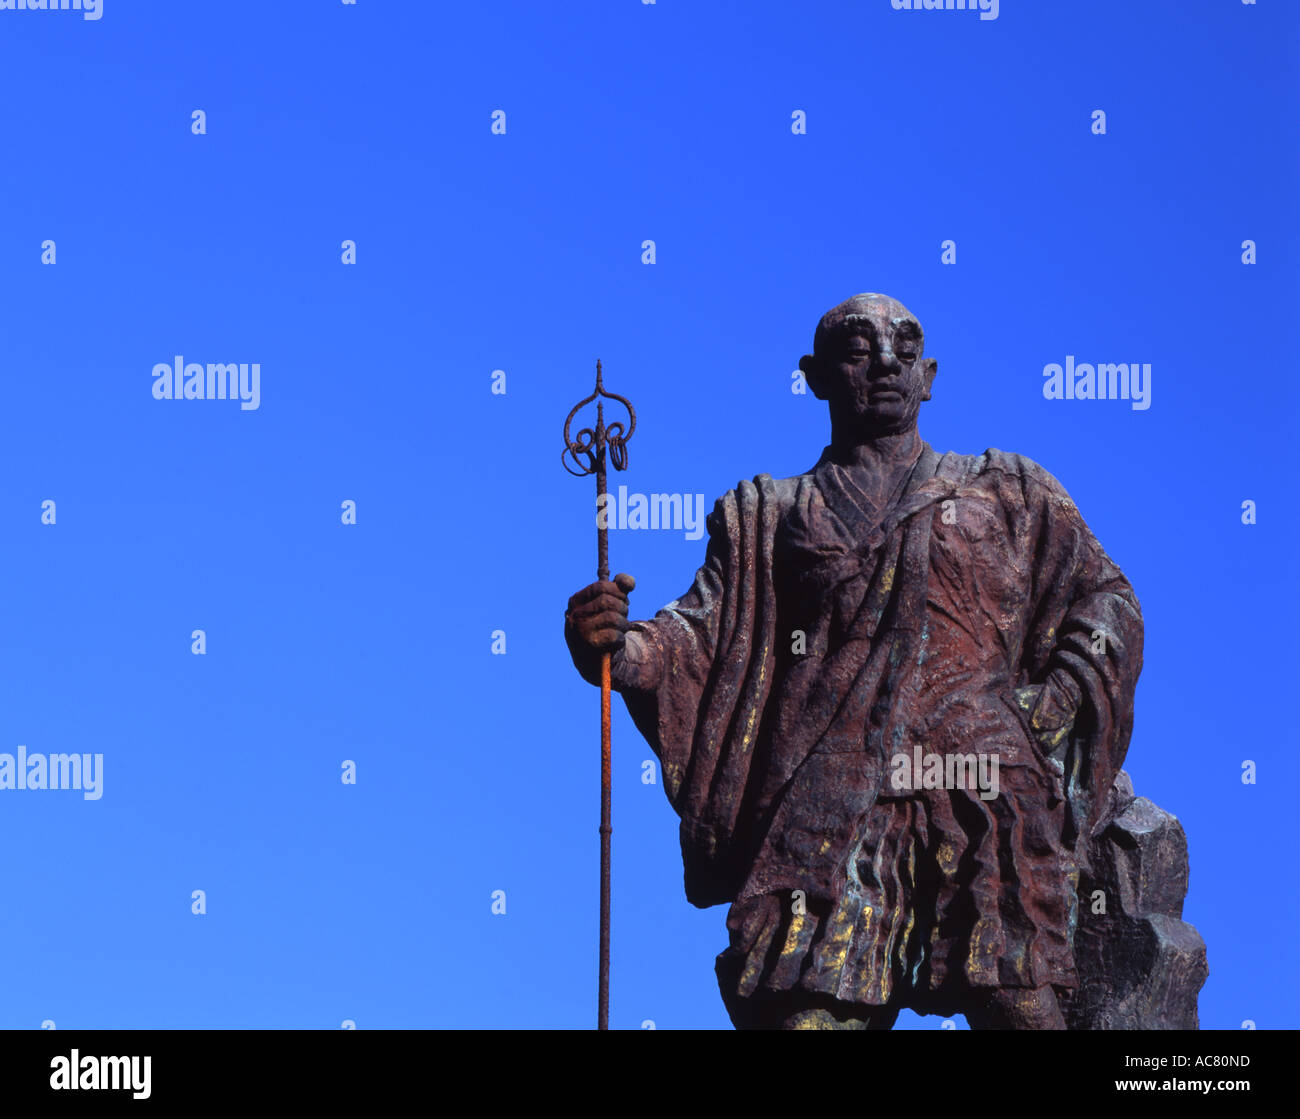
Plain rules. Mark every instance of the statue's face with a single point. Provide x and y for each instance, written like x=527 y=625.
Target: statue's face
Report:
x=875 y=372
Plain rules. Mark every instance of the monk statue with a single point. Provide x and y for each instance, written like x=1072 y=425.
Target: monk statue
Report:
x=891 y=712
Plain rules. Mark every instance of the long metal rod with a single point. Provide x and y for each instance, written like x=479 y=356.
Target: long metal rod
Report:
x=606 y=830
x=585 y=455
x=606 y=825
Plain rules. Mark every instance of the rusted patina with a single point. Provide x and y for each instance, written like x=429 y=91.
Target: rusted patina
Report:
x=891 y=712
x=586 y=454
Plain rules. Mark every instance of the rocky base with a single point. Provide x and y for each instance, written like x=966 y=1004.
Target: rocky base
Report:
x=1141 y=966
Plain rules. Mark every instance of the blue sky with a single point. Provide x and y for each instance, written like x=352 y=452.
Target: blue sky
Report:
x=522 y=252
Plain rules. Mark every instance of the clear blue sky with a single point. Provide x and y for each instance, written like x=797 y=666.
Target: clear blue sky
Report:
x=522 y=252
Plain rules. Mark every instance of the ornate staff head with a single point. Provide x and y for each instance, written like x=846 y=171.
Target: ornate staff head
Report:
x=587 y=451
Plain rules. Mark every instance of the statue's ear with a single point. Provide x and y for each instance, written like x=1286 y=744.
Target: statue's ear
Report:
x=929 y=368
x=812 y=372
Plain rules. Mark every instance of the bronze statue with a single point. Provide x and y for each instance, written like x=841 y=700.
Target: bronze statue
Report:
x=891 y=712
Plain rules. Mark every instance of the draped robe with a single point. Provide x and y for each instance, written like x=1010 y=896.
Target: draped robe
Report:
x=823 y=637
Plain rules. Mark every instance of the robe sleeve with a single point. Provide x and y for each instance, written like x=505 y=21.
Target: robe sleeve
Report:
x=673 y=652
x=1084 y=644
x=696 y=678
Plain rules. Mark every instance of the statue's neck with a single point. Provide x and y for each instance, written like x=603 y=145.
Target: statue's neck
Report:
x=882 y=454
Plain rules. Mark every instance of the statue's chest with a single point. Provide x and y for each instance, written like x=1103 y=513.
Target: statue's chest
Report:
x=837 y=575
x=979 y=573
x=834 y=580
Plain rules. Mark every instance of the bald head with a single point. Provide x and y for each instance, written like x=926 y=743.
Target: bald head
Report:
x=869 y=308
x=867 y=365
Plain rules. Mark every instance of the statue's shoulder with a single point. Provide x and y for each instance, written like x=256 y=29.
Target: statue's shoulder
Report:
x=1002 y=467
x=782 y=492
x=762 y=502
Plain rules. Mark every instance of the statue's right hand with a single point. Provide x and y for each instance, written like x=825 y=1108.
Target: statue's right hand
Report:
x=596 y=619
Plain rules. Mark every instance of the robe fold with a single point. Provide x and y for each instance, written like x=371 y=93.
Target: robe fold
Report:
x=822 y=640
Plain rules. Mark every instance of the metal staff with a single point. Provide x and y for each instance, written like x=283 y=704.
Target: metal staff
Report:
x=587 y=454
